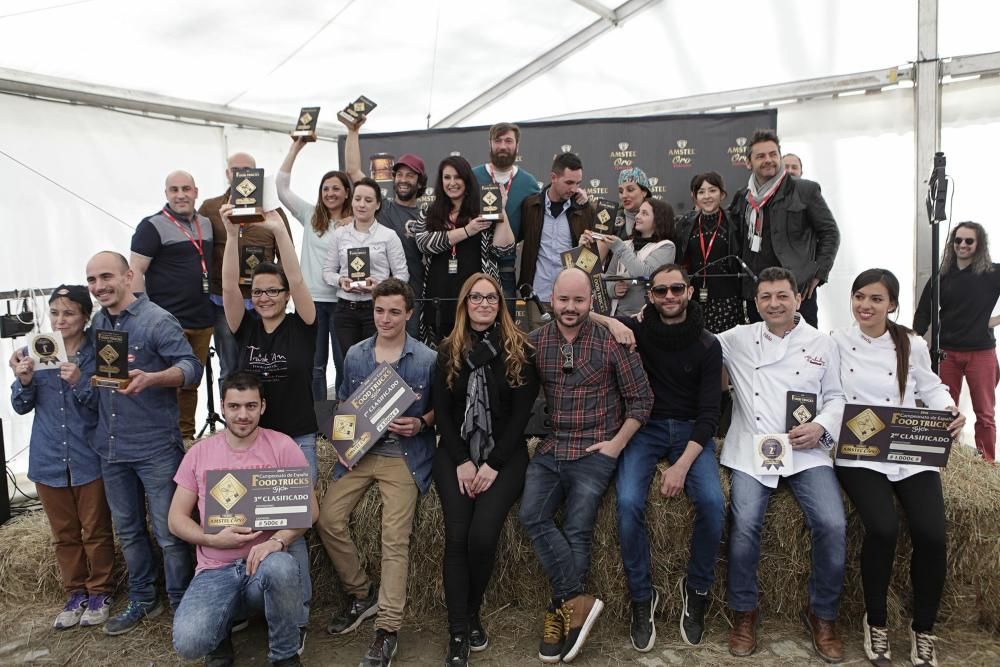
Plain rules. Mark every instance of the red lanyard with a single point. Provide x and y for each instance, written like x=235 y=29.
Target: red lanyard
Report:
x=758 y=225
x=505 y=186
x=196 y=244
x=452 y=219
x=701 y=236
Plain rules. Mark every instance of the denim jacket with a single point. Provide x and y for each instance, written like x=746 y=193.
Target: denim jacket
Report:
x=59 y=452
x=416 y=367
x=142 y=426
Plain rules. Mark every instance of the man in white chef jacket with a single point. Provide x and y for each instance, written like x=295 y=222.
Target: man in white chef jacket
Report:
x=766 y=361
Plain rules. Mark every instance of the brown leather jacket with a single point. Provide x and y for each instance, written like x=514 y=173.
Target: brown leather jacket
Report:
x=581 y=218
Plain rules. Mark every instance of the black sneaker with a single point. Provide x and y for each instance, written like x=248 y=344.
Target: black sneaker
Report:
x=643 y=629
x=458 y=651
x=693 y=605
x=382 y=650
x=222 y=655
x=478 y=640
x=288 y=662
x=131 y=616
x=358 y=610
x=553 y=636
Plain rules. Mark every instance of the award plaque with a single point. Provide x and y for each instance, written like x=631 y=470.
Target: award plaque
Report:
x=250 y=257
x=47 y=350
x=908 y=436
x=359 y=265
x=772 y=454
x=800 y=409
x=589 y=261
x=490 y=200
x=521 y=315
x=305 y=128
x=364 y=418
x=112 y=359
x=604 y=221
x=356 y=110
x=247 y=195
x=258 y=498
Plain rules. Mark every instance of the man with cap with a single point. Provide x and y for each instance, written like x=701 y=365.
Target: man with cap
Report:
x=633 y=189
x=409 y=180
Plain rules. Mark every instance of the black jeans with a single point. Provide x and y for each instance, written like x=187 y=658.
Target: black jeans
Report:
x=471 y=532
x=922 y=502
x=353 y=323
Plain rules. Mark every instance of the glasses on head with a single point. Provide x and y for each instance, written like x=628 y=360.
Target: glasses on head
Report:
x=270 y=291
x=475 y=298
x=567 y=355
x=660 y=291
x=967 y=240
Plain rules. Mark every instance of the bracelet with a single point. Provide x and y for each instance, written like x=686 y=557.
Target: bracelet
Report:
x=284 y=547
x=467 y=234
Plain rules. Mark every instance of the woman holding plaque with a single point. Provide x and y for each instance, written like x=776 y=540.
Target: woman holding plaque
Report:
x=884 y=363
x=331 y=210
x=648 y=249
x=362 y=253
x=65 y=469
x=457 y=242
x=485 y=386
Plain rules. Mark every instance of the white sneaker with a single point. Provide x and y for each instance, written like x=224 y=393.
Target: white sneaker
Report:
x=922 y=649
x=877 y=644
x=71 y=613
x=98 y=610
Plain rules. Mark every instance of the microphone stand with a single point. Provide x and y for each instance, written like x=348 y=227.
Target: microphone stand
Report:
x=937 y=193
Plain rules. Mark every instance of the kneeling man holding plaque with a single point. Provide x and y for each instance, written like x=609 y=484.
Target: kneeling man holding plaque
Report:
x=244 y=481
x=788 y=405
x=382 y=435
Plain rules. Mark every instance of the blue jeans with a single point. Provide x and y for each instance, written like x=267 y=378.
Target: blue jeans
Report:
x=564 y=554
x=214 y=597
x=129 y=486
x=636 y=468
x=818 y=494
x=299 y=548
x=325 y=340
x=226 y=347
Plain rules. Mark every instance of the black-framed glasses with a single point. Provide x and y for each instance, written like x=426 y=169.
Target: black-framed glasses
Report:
x=567 y=354
x=959 y=240
x=660 y=291
x=475 y=298
x=270 y=291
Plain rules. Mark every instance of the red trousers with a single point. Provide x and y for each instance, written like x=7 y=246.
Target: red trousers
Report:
x=981 y=371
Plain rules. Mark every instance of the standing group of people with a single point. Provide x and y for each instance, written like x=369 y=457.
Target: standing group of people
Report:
x=623 y=392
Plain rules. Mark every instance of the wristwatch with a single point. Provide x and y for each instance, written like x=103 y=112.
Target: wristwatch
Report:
x=284 y=547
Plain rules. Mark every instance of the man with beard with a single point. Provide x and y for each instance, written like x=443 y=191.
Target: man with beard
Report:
x=598 y=397
x=516 y=185
x=787 y=224
x=684 y=364
x=409 y=180
x=552 y=222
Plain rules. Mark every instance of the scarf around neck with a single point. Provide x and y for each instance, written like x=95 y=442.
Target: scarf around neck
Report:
x=477 y=426
x=656 y=335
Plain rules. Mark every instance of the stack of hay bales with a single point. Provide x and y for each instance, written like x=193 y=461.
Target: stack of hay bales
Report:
x=28 y=572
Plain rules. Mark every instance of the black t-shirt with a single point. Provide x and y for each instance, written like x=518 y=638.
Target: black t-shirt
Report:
x=395 y=216
x=283 y=360
x=967 y=301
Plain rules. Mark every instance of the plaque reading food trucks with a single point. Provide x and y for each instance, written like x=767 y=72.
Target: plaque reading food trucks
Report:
x=247 y=195
x=250 y=258
x=364 y=418
x=490 y=201
x=112 y=359
x=260 y=499
x=589 y=262
x=908 y=436
x=305 y=127
x=359 y=266
x=356 y=110
x=604 y=221
x=800 y=408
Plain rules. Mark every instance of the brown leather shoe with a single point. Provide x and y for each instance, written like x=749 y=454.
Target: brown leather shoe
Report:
x=743 y=636
x=824 y=635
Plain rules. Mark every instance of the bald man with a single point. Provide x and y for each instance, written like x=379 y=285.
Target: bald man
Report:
x=256 y=244
x=171 y=260
x=598 y=397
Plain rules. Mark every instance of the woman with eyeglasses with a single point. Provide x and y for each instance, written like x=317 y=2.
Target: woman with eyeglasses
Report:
x=884 y=363
x=970 y=287
x=485 y=386
x=706 y=236
x=649 y=248
x=332 y=209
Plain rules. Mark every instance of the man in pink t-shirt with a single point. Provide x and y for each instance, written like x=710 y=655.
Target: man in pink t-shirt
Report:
x=238 y=568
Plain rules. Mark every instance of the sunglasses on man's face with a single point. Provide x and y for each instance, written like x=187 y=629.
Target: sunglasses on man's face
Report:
x=660 y=291
x=959 y=240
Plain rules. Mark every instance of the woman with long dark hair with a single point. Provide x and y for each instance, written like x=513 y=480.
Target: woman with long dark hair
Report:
x=705 y=237
x=485 y=386
x=457 y=242
x=884 y=363
x=331 y=210
x=649 y=248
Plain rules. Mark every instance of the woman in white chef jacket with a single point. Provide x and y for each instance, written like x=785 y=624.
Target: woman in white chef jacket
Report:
x=884 y=363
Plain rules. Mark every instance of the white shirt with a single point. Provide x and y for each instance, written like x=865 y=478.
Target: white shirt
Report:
x=385 y=252
x=868 y=374
x=763 y=368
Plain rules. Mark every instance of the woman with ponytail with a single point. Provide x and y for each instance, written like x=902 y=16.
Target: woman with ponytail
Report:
x=884 y=363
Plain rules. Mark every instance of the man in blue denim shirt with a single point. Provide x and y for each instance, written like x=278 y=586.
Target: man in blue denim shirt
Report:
x=138 y=438
x=401 y=464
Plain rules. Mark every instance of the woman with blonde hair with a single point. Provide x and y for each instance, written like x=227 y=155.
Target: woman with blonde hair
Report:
x=485 y=386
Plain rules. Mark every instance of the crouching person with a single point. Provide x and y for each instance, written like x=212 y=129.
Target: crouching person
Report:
x=239 y=570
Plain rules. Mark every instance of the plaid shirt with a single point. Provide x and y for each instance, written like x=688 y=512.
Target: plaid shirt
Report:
x=588 y=405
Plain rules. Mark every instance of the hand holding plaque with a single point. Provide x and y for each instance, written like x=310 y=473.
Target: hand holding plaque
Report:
x=258 y=498
x=305 y=127
x=356 y=110
x=359 y=265
x=112 y=359
x=905 y=436
x=47 y=350
x=605 y=219
x=491 y=201
x=247 y=196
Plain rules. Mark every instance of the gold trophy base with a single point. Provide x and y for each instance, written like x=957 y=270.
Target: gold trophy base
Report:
x=304 y=135
x=109 y=383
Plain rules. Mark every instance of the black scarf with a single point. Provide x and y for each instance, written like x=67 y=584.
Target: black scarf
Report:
x=654 y=334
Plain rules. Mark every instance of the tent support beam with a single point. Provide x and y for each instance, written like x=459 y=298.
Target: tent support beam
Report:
x=926 y=133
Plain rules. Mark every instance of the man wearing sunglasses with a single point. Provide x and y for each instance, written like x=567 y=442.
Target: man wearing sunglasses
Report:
x=598 y=397
x=684 y=364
